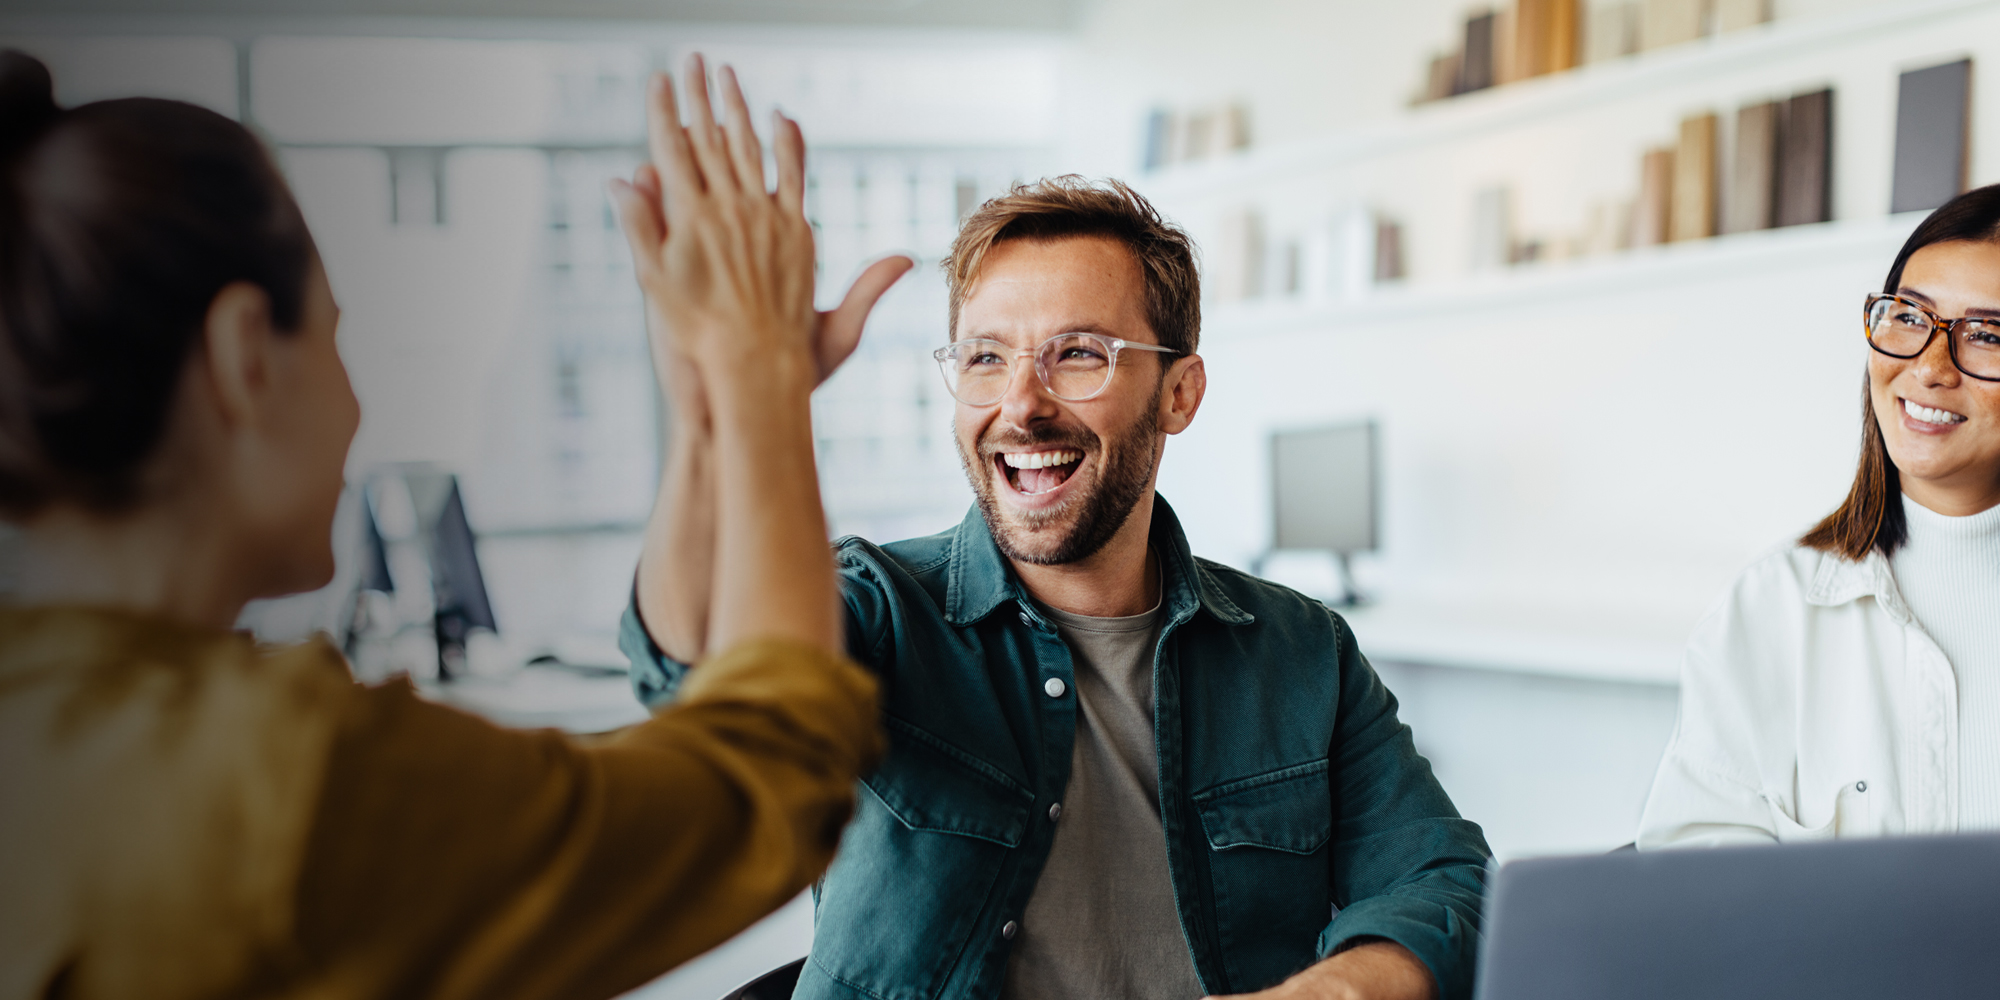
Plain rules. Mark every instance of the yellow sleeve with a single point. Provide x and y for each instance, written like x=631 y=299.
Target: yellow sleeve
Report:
x=451 y=858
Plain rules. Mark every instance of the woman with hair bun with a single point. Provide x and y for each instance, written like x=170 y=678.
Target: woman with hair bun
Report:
x=1850 y=685
x=186 y=814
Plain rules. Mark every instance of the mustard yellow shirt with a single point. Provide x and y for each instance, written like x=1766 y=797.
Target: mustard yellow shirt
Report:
x=186 y=814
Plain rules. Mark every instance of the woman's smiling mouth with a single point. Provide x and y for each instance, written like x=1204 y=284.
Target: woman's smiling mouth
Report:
x=1931 y=416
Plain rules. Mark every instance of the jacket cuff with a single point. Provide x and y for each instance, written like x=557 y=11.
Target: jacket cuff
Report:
x=655 y=675
x=1441 y=938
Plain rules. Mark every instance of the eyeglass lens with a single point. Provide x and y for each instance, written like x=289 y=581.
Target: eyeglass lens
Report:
x=1073 y=366
x=1901 y=329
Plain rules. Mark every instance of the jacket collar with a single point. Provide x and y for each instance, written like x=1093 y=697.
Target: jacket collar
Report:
x=1839 y=580
x=981 y=580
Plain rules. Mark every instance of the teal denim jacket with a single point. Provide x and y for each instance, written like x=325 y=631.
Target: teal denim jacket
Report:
x=1298 y=814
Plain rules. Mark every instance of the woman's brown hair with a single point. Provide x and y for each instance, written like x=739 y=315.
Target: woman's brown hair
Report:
x=1871 y=518
x=120 y=221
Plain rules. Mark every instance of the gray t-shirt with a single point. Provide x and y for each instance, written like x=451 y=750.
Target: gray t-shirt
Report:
x=1101 y=924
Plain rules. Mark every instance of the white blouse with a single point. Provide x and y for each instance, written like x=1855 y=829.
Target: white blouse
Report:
x=1949 y=575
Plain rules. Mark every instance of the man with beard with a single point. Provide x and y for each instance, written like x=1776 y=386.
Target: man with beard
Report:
x=1116 y=770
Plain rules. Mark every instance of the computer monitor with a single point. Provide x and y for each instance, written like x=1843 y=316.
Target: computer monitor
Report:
x=429 y=511
x=1323 y=493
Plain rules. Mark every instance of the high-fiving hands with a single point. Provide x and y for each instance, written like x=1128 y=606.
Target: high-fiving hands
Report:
x=736 y=546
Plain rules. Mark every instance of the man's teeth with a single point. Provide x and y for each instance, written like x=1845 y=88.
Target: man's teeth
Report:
x=1040 y=459
x=1930 y=416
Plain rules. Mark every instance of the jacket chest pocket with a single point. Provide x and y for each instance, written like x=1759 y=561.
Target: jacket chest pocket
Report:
x=1853 y=814
x=915 y=870
x=1268 y=867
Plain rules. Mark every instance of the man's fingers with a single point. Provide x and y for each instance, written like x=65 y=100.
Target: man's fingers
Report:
x=672 y=160
x=839 y=331
x=639 y=216
x=703 y=134
x=791 y=154
x=744 y=148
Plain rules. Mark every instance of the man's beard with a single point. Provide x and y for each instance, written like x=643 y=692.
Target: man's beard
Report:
x=1125 y=471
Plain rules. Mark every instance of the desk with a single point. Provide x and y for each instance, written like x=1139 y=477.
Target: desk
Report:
x=538 y=697
x=1586 y=644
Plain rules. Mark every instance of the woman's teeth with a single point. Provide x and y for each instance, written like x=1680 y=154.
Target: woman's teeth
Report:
x=1931 y=416
x=1040 y=459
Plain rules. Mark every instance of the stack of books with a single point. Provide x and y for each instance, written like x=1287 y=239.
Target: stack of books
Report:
x=1530 y=38
x=1185 y=137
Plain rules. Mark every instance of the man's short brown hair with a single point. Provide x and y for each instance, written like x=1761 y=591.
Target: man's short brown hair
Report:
x=1059 y=207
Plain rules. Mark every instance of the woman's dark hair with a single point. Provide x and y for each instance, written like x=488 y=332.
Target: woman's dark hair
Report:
x=1872 y=515
x=120 y=221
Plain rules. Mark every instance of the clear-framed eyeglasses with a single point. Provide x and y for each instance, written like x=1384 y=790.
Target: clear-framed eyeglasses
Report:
x=1901 y=328
x=1072 y=366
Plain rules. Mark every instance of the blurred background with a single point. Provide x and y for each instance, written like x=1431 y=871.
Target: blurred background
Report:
x=1529 y=322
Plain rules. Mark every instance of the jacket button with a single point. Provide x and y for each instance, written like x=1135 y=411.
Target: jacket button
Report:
x=1054 y=687
x=1009 y=929
x=1055 y=811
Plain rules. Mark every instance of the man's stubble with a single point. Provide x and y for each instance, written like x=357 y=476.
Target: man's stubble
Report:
x=1128 y=466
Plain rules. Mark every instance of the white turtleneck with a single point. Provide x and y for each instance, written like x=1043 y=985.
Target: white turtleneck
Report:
x=1949 y=575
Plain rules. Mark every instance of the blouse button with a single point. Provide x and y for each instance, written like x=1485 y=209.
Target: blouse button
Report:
x=1054 y=687
x=1055 y=811
x=1008 y=930
x=1860 y=786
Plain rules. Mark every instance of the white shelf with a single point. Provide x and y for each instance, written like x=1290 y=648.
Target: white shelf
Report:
x=1588 y=645
x=1498 y=109
x=1874 y=240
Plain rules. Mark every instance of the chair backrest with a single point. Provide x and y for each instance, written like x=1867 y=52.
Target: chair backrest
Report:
x=776 y=984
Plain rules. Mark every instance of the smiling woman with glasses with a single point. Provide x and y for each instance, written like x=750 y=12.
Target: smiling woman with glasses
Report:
x=1850 y=685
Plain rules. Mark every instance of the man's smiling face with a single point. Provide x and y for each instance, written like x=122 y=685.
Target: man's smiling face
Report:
x=1056 y=479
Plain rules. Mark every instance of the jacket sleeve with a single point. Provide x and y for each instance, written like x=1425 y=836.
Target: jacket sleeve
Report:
x=452 y=858
x=657 y=677
x=1706 y=793
x=1406 y=867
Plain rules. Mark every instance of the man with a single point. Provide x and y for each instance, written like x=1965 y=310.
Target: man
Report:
x=1116 y=770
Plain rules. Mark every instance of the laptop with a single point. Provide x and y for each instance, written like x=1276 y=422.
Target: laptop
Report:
x=1901 y=917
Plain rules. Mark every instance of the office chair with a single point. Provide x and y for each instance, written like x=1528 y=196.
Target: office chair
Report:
x=776 y=984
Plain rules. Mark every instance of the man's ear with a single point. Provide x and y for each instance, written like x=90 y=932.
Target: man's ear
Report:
x=236 y=342
x=1187 y=382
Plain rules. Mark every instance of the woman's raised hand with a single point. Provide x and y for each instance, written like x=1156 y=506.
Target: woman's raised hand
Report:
x=726 y=264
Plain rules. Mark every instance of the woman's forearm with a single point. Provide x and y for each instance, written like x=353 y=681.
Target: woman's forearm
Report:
x=773 y=569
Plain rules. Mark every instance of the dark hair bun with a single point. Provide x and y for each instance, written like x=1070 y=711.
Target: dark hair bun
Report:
x=27 y=99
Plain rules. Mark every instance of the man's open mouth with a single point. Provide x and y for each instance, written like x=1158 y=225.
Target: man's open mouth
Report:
x=1037 y=472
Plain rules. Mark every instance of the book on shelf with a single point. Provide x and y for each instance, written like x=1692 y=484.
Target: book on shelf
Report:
x=1805 y=159
x=1237 y=265
x=1611 y=31
x=1159 y=139
x=1932 y=128
x=1670 y=22
x=1732 y=15
x=1236 y=127
x=1492 y=229
x=1442 y=79
x=1652 y=214
x=1753 y=177
x=1693 y=200
x=1546 y=36
x=1388 y=251
x=1506 y=46
x=1475 y=68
